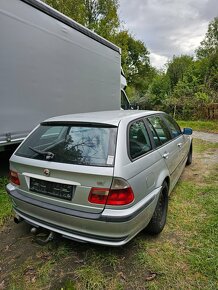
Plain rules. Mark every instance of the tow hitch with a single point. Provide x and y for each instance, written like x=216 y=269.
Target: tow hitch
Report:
x=42 y=238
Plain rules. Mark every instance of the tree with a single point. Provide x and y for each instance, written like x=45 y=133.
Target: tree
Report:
x=107 y=18
x=159 y=90
x=210 y=43
x=74 y=9
x=177 y=67
x=192 y=84
x=135 y=61
x=207 y=63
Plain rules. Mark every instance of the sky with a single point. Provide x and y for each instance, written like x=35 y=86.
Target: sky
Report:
x=168 y=27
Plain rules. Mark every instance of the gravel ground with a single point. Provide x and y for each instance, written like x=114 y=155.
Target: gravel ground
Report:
x=210 y=137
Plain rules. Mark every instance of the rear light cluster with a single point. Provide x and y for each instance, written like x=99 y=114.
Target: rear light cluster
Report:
x=120 y=193
x=14 y=177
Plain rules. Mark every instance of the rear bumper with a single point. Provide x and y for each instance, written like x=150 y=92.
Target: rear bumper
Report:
x=111 y=227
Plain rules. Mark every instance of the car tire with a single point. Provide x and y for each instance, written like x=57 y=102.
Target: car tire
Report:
x=189 y=160
x=159 y=217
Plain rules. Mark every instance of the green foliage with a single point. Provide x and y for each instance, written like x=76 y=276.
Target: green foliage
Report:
x=108 y=20
x=74 y=9
x=210 y=43
x=159 y=91
x=132 y=94
x=177 y=68
x=204 y=126
x=169 y=91
x=193 y=83
x=5 y=203
x=135 y=61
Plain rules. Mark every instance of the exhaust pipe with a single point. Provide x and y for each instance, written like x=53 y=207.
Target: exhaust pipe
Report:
x=17 y=219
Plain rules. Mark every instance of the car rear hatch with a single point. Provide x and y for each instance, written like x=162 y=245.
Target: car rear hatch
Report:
x=59 y=164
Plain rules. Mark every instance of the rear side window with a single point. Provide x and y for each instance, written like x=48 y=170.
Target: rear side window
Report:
x=160 y=128
x=139 y=142
x=79 y=144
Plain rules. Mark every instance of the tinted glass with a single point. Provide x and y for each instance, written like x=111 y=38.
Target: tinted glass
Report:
x=173 y=126
x=139 y=142
x=71 y=144
x=160 y=128
x=154 y=134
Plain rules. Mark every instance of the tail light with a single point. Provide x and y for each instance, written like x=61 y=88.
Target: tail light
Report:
x=120 y=193
x=14 y=177
x=98 y=195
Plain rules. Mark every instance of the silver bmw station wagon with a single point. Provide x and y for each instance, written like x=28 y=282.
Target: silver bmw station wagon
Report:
x=99 y=177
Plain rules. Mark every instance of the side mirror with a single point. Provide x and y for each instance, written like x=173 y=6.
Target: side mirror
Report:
x=187 y=131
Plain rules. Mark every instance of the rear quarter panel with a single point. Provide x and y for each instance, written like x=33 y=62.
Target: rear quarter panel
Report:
x=144 y=174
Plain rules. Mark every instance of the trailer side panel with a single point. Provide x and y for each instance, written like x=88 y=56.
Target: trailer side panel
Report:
x=47 y=68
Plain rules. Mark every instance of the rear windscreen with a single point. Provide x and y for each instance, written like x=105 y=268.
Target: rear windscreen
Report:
x=74 y=144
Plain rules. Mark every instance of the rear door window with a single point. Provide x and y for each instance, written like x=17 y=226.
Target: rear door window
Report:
x=139 y=142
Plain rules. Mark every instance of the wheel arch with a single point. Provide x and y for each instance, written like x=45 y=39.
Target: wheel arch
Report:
x=164 y=176
x=167 y=180
x=191 y=145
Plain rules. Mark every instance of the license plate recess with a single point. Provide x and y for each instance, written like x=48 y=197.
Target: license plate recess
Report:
x=53 y=189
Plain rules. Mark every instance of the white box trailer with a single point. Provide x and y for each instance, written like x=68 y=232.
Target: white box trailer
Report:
x=51 y=65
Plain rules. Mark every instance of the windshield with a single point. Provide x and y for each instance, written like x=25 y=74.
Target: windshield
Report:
x=74 y=144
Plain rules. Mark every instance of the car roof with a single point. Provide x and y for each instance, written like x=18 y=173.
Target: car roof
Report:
x=102 y=117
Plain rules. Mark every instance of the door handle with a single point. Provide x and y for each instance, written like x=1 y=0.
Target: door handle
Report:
x=179 y=145
x=165 y=155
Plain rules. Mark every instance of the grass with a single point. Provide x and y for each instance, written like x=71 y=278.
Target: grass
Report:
x=204 y=126
x=188 y=258
x=200 y=146
x=5 y=204
x=183 y=256
x=33 y=274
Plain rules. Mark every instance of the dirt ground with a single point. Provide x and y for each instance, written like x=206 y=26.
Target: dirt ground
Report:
x=17 y=244
x=210 y=137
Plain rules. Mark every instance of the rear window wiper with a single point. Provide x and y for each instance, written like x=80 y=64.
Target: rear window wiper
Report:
x=48 y=155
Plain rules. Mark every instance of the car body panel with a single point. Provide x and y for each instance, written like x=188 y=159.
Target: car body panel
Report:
x=84 y=178
x=78 y=218
x=106 y=229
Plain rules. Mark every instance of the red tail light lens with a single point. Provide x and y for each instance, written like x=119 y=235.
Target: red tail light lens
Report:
x=120 y=196
x=14 y=177
x=120 y=193
x=98 y=195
